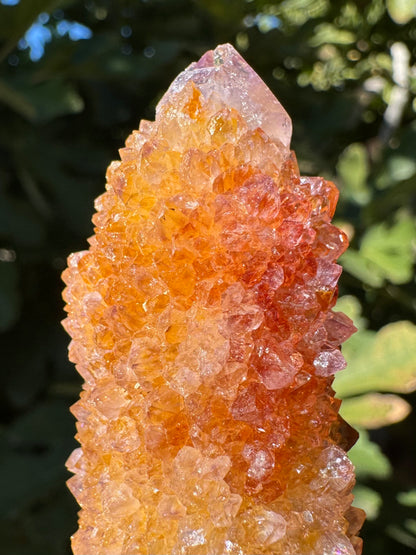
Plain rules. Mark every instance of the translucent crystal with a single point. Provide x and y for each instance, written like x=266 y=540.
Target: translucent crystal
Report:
x=224 y=73
x=201 y=321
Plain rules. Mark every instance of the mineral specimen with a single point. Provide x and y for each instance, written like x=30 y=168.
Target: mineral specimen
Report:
x=201 y=321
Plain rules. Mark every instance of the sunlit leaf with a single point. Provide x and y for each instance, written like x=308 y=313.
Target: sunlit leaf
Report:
x=382 y=361
x=362 y=268
x=374 y=410
x=351 y=306
x=391 y=248
x=386 y=253
x=401 y=11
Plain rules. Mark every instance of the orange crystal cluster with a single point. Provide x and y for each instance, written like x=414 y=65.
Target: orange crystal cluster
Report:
x=201 y=321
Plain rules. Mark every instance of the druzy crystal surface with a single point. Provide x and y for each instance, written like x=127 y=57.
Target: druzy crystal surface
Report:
x=202 y=323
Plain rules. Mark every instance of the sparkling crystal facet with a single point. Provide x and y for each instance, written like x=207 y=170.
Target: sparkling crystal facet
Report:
x=201 y=321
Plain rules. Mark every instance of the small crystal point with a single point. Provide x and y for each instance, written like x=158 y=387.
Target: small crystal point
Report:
x=225 y=73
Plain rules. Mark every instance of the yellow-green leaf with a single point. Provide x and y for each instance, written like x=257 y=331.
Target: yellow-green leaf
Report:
x=362 y=268
x=327 y=33
x=386 y=253
x=401 y=11
x=350 y=305
x=382 y=361
x=374 y=410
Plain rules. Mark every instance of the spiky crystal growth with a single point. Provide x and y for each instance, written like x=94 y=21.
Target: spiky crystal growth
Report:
x=201 y=321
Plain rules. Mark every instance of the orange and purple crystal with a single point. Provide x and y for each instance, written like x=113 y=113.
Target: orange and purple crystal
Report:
x=202 y=324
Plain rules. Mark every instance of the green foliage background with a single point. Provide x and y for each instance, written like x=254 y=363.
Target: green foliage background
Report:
x=346 y=73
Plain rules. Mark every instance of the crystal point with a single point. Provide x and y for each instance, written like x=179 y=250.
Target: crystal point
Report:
x=201 y=321
x=224 y=73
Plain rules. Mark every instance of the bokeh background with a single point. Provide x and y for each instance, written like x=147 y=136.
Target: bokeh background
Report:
x=75 y=78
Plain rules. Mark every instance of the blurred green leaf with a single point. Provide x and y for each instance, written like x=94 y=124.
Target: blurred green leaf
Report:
x=410 y=524
x=367 y=499
x=353 y=170
x=350 y=305
x=368 y=459
x=298 y=12
x=374 y=410
x=401 y=167
x=386 y=253
x=407 y=498
x=40 y=102
x=363 y=269
x=401 y=11
x=402 y=536
x=392 y=249
x=382 y=361
x=374 y=11
x=71 y=192
x=329 y=33
x=16 y=100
